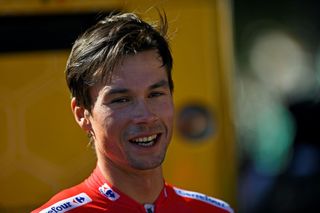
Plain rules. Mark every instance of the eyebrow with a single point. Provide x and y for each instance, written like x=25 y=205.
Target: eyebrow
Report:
x=162 y=83
x=117 y=91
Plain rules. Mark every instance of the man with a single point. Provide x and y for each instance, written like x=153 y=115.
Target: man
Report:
x=119 y=74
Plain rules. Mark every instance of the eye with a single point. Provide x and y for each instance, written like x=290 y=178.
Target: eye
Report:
x=120 y=100
x=155 y=94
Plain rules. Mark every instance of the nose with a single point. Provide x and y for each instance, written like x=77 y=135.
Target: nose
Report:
x=143 y=114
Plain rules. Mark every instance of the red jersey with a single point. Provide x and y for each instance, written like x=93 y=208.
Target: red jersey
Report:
x=95 y=194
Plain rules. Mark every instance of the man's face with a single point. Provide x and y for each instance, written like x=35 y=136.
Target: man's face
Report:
x=132 y=116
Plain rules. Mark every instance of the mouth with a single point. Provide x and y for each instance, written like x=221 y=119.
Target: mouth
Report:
x=146 y=141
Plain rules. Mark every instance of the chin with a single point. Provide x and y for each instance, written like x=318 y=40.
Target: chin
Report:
x=147 y=165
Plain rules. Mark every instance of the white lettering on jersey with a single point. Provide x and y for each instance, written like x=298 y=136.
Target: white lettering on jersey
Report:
x=203 y=198
x=68 y=204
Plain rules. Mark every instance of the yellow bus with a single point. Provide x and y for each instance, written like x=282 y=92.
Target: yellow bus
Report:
x=43 y=151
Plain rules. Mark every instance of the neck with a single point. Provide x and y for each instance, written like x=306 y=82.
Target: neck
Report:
x=144 y=186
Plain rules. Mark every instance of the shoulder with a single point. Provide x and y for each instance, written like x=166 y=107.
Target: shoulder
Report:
x=201 y=202
x=66 y=200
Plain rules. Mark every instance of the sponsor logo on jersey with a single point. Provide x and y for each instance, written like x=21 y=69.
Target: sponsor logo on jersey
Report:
x=149 y=208
x=68 y=204
x=106 y=190
x=204 y=198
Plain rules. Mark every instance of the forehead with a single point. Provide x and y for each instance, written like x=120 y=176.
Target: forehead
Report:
x=139 y=68
x=138 y=71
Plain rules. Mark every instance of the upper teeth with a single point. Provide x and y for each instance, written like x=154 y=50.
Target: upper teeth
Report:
x=145 y=139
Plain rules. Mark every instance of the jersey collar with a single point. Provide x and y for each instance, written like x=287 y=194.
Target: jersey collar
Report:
x=105 y=192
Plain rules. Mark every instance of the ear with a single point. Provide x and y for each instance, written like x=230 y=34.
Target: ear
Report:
x=81 y=115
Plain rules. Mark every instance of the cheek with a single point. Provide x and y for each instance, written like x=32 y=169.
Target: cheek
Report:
x=165 y=110
x=115 y=122
x=170 y=111
x=171 y=116
x=103 y=123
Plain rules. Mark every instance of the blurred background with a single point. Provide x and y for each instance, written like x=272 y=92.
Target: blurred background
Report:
x=277 y=105
x=246 y=95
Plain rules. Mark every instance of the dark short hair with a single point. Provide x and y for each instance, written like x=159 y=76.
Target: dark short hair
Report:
x=98 y=50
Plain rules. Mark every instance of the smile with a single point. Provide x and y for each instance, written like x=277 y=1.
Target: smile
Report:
x=146 y=141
